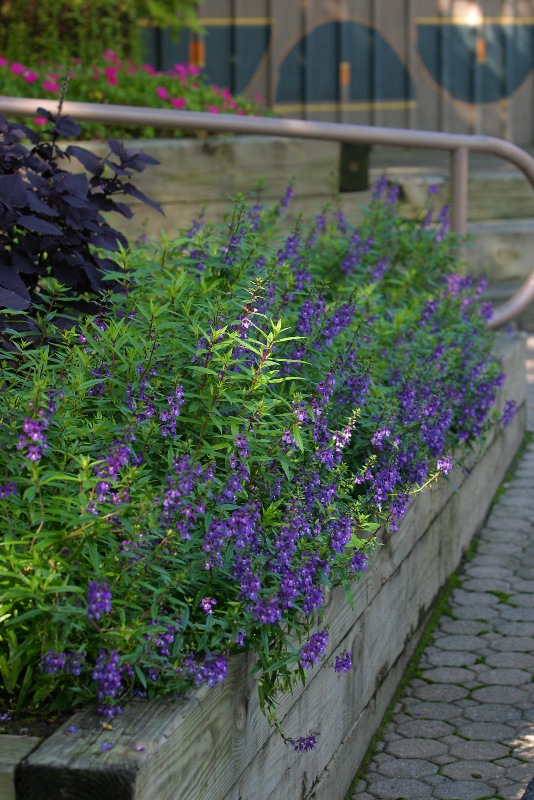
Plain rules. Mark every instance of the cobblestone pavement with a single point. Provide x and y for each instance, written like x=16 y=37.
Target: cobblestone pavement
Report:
x=464 y=728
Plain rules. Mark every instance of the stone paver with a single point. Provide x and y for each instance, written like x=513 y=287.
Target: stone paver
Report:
x=464 y=729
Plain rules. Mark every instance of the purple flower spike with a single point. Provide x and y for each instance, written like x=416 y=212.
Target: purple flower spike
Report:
x=98 y=600
x=509 y=412
x=313 y=650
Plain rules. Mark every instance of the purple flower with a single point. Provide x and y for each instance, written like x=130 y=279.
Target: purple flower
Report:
x=207 y=603
x=444 y=464
x=286 y=199
x=304 y=743
x=240 y=442
x=53 y=662
x=358 y=562
x=98 y=600
x=314 y=648
x=73 y=729
x=343 y=662
x=378 y=436
x=108 y=676
x=212 y=670
x=509 y=412
x=7 y=489
x=170 y=415
x=107 y=746
x=33 y=438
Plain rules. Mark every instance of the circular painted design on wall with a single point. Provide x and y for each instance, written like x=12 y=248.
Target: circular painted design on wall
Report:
x=310 y=71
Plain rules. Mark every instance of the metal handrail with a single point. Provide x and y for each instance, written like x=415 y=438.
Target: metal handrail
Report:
x=458 y=145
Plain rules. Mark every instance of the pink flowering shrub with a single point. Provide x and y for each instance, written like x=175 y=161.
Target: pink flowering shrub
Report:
x=112 y=80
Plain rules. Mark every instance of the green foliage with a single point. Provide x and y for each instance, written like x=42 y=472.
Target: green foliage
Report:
x=36 y=31
x=188 y=472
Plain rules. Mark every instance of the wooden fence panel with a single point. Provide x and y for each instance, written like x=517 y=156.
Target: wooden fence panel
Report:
x=451 y=65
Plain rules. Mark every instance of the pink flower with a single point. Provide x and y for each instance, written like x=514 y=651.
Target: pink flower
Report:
x=193 y=70
x=30 y=76
x=259 y=99
x=53 y=76
x=40 y=120
x=181 y=70
x=111 y=55
x=213 y=109
x=111 y=75
x=227 y=94
x=178 y=102
x=148 y=68
x=17 y=69
x=51 y=86
x=215 y=88
x=3 y=62
x=162 y=93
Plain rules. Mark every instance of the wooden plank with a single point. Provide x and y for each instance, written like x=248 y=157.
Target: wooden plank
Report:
x=426 y=115
x=216 y=168
x=13 y=749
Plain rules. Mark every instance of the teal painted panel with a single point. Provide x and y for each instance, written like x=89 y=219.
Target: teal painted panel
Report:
x=233 y=52
x=509 y=59
x=332 y=43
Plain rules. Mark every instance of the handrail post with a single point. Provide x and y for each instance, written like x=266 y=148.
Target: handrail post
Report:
x=459 y=169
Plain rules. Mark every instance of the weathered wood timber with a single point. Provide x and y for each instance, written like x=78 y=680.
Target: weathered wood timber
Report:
x=216 y=745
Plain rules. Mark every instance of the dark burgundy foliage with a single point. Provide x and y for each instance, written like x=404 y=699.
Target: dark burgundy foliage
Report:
x=50 y=218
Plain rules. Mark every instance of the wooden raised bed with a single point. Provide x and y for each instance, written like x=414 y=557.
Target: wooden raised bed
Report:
x=207 y=174
x=216 y=745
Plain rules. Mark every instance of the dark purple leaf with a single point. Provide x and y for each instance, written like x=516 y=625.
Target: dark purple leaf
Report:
x=12 y=191
x=123 y=209
x=38 y=225
x=108 y=240
x=138 y=160
x=9 y=279
x=78 y=185
x=42 y=112
x=13 y=301
x=117 y=169
x=37 y=205
x=88 y=160
x=66 y=127
x=23 y=263
x=129 y=188
x=116 y=147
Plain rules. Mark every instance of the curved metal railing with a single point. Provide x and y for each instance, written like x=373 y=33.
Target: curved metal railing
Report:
x=458 y=145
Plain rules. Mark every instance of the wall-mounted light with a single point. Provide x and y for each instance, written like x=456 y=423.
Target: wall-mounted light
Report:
x=474 y=16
